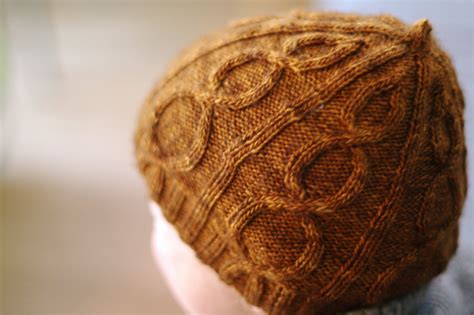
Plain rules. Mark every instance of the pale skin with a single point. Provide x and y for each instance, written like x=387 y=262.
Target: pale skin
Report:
x=195 y=286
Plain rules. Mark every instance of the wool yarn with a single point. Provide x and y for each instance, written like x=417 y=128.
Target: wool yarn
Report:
x=316 y=161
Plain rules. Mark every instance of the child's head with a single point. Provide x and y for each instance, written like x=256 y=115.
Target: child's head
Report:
x=315 y=161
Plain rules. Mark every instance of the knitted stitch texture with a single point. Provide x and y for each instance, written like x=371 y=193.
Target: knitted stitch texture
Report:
x=315 y=161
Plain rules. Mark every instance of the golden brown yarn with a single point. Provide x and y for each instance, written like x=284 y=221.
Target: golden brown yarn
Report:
x=316 y=161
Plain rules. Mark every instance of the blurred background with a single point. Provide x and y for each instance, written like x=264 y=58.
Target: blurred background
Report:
x=75 y=226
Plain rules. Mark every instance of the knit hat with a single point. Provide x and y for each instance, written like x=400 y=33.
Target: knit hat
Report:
x=315 y=161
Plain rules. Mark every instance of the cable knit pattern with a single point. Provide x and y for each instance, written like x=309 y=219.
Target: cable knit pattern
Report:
x=316 y=161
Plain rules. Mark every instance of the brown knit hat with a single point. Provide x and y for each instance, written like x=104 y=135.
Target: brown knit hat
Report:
x=315 y=161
